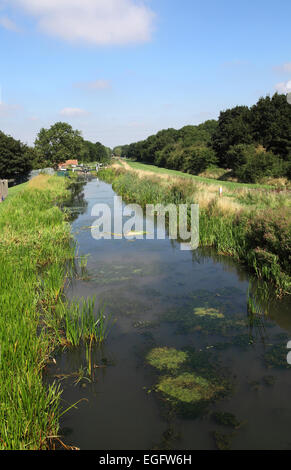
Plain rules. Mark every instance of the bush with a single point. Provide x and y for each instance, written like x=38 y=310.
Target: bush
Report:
x=198 y=159
x=251 y=163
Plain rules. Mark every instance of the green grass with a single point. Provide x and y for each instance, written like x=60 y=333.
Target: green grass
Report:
x=12 y=192
x=34 y=245
x=228 y=184
x=36 y=251
x=15 y=189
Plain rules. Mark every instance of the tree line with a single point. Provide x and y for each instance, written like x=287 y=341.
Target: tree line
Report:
x=253 y=142
x=52 y=146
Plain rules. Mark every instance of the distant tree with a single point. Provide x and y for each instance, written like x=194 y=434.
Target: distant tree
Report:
x=271 y=123
x=234 y=127
x=59 y=143
x=117 y=151
x=101 y=152
x=15 y=158
x=198 y=159
x=234 y=141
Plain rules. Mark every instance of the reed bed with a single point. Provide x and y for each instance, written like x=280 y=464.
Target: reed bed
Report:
x=36 y=251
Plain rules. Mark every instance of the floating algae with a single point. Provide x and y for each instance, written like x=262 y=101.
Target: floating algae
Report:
x=207 y=320
x=222 y=441
x=276 y=357
x=227 y=419
x=170 y=436
x=166 y=358
x=192 y=381
x=208 y=312
x=188 y=388
x=143 y=324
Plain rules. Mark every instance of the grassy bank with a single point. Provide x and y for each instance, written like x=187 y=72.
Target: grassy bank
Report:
x=36 y=251
x=252 y=226
x=137 y=166
x=34 y=246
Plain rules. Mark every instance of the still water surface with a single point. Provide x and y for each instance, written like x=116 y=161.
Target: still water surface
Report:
x=162 y=297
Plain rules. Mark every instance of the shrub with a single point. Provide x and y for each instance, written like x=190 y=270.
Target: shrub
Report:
x=198 y=159
x=251 y=163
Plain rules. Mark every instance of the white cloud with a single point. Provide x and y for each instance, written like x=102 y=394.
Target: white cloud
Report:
x=73 y=112
x=8 y=24
x=283 y=87
x=97 y=22
x=94 y=85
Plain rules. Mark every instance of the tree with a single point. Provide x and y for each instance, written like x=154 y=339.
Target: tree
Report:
x=59 y=143
x=234 y=127
x=271 y=122
x=15 y=159
x=198 y=159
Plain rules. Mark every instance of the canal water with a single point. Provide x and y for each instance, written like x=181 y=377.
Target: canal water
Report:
x=196 y=356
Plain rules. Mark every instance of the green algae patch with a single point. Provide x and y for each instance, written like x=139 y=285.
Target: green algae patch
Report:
x=189 y=380
x=222 y=441
x=188 y=388
x=208 y=312
x=227 y=419
x=166 y=358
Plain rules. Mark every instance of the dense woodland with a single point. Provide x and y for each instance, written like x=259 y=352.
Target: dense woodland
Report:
x=252 y=142
x=52 y=146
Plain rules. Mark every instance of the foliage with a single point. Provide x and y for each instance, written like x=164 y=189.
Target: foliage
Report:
x=95 y=152
x=251 y=164
x=59 y=143
x=254 y=141
x=15 y=158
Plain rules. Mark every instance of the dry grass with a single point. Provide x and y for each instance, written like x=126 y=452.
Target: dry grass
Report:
x=232 y=200
x=39 y=182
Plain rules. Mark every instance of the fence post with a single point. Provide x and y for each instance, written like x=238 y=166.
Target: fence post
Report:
x=3 y=189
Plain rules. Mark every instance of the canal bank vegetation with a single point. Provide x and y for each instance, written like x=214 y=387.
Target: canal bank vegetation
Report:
x=246 y=144
x=36 y=255
x=251 y=225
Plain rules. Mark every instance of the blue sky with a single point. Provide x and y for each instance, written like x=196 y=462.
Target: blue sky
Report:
x=120 y=70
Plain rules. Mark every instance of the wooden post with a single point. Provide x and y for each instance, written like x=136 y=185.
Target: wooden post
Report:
x=3 y=189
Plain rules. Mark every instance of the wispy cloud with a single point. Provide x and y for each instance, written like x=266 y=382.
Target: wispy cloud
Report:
x=73 y=112
x=285 y=68
x=8 y=24
x=283 y=87
x=98 y=22
x=94 y=85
